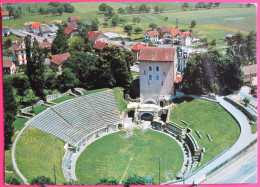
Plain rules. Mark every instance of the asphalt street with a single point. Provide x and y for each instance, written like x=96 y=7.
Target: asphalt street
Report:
x=241 y=170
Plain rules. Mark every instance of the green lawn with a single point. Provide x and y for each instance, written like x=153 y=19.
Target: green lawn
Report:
x=61 y=99
x=111 y=155
x=207 y=117
x=86 y=92
x=37 y=152
x=19 y=123
x=121 y=103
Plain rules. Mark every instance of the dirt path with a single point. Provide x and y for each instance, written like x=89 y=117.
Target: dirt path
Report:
x=228 y=28
x=132 y=158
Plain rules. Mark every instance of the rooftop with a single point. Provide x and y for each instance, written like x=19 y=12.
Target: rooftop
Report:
x=157 y=54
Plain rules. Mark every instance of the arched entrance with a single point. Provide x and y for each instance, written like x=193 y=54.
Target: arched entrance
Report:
x=147 y=117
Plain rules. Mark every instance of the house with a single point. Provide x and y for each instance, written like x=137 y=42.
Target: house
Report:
x=45 y=29
x=136 y=50
x=158 y=69
x=5 y=14
x=9 y=67
x=187 y=38
x=98 y=46
x=163 y=29
x=172 y=37
x=57 y=60
x=250 y=74
x=71 y=31
x=151 y=36
x=95 y=36
x=5 y=31
x=73 y=19
x=34 y=28
x=18 y=50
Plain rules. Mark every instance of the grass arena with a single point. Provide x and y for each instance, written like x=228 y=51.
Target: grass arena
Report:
x=87 y=138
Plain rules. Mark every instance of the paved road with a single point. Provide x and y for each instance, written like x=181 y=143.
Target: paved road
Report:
x=241 y=170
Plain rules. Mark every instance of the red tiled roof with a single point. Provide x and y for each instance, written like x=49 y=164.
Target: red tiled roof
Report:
x=69 y=29
x=138 y=46
x=58 y=59
x=157 y=54
x=178 y=79
x=164 y=29
x=5 y=13
x=175 y=32
x=186 y=34
x=75 y=18
x=4 y=27
x=93 y=35
x=45 y=44
x=7 y=63
x=36 y=25
x=99 y=45
x=152 y=33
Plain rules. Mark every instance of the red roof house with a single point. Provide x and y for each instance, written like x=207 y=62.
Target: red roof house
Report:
x=57 y=60
x=99 y=45
x=70 y=31
x=136 y=50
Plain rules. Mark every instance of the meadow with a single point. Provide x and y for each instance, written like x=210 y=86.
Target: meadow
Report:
x=118 y=157
x=207 y=117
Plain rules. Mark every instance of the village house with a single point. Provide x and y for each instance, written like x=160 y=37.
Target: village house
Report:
x=73 y=19
x=98 y=46
x=151 y=36
x=163 y=29
x=71 y=31
x=250 y=74
x=5 y=31
x=5 y=14
x=18 y=50
x=172 y=37
x=34 y=28
x=57 y=60
x=9 y=67
x=136 y=50
x=158 y=69
x=95 y=36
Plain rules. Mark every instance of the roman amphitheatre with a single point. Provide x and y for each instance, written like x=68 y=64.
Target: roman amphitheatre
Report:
x=92 y=136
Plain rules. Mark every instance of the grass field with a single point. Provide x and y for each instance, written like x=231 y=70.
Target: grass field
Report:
x=37 y=152
x=118 y=157
x=121 y=103
x=207 y=117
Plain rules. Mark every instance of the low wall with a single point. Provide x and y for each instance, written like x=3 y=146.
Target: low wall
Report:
x=247 y=111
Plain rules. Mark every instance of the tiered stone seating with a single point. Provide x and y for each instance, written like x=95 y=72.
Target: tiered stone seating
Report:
x=73 y=119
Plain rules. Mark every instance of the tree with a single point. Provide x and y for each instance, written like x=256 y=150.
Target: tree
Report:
x=246 y=101
x=41 y=180
x=83 y=65
x=67 y=80
x=185 y=6
x=193 y=23
x=213 y=42
x=115 y=20
x=60 y=9
x=121 y=10
x=12 y=180
x=153 y=26
x=60 y=43
x=94 y=25
x=128 y=28
x=135 y=180
x=35 y=66
x=138 y=30
x=156 y=9
x=106 y=181
x=10 y=110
